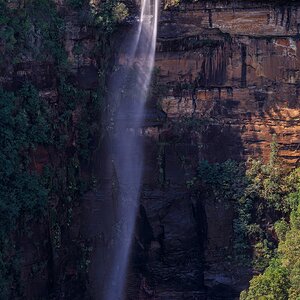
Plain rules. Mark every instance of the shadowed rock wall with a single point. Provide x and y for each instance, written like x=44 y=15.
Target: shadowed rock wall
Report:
x=236 y=64
x=228 y=76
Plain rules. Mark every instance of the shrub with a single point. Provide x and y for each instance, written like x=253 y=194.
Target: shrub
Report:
x=273 y=284
x=23 y=197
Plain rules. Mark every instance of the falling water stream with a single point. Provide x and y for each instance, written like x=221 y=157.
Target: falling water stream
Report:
x=128 y=90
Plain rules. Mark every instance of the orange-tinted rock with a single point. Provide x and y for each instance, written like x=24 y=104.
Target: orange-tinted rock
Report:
x=232 y=71
x=235 y=64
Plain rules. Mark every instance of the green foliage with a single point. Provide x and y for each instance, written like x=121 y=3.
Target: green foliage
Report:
x=87 y=107
x=281 y=228
x=171 y=3
x=162 y=164
x=242 y=230
x=157 y=90
x=23 y=125
x=120 y=12
x=267 y=181
x=226 y=179
x=36 y=23
x=108 y=14
x=281 y=280
x=264 y=251
x=266 y=191
x=71 y=129
x=292 y=189
x=260 y=194
x=229 y=185
x=76 y=4
x=289 y=246
x=294 y=276
x=273 y=284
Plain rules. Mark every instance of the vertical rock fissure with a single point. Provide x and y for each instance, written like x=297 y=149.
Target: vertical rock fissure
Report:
x=244 y=66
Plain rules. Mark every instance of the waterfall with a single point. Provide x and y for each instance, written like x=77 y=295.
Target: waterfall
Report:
x=128 y=91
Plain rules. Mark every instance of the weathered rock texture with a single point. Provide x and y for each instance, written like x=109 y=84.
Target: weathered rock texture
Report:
x=229 y=80
x=237 y=65
x=229 y=77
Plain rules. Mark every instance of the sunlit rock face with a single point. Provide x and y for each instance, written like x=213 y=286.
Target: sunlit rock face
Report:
x=238 y=64
x=228 y=73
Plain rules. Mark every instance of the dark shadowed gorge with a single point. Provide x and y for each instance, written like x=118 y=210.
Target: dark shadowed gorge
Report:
x=219 y=195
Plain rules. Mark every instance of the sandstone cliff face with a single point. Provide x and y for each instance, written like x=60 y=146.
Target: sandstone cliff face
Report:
x=237 y=65
x=229 y=76
x=228 y=80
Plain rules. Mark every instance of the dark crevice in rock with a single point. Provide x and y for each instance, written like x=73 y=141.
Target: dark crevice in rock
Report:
x=244 y=65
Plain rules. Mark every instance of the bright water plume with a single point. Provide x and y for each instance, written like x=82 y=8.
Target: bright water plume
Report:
x=128 y=91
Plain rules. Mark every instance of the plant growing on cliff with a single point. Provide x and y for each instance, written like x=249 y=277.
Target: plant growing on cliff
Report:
x=23 y=125
x=70 y=128
x=228 y=184
x=36 y=23
x=171 y=3
x=226 y=179
x=76 y=4
x=273 y=284
x=281 y=279
x=107 y=15
x=277 y=197
x=260 y=194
